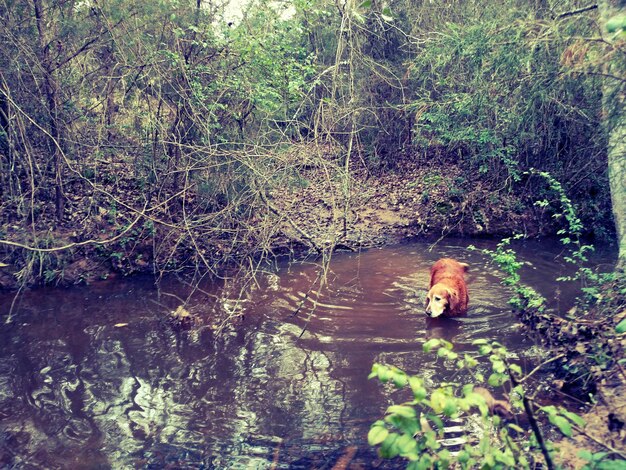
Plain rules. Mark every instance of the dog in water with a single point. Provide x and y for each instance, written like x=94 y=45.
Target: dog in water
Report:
x=447 y=295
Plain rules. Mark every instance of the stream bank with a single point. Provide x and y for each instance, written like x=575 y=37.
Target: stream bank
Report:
x=312 y=209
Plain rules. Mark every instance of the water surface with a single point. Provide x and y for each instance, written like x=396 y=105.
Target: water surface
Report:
x=98 y=377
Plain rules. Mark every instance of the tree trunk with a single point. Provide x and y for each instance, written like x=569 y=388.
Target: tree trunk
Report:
x=51 y=92
x=614 y=104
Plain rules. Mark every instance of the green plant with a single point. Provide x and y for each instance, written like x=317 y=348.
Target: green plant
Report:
x=506 y=258
x=572 y=237
x=600 y=461
x=412 y=430
x=51 y=276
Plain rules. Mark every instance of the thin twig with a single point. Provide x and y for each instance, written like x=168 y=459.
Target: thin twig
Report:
x=536 y=369
x=577 y=12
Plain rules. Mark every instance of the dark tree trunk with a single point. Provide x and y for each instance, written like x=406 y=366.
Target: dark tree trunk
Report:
x=51 y=93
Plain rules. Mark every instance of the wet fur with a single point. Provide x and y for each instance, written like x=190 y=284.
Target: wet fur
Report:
x=447 y=295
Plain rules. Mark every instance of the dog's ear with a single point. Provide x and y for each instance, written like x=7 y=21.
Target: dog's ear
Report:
x=453 y=299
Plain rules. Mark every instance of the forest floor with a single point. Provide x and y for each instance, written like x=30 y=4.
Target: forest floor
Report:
x=415 y=200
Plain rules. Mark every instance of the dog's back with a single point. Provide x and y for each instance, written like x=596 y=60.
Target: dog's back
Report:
x=447 y=268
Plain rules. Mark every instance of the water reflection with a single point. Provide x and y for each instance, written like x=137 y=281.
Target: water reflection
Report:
x=98 y=378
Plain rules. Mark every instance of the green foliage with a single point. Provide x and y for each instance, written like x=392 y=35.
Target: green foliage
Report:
x=571 y=234
x=500 y=95
x=412 y=430
x=155 y=103
x=506 y=259
x=277 y=69
x=571 y=237
x=600 y=461
x=617 y=25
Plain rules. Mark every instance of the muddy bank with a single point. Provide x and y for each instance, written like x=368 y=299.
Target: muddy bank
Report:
x=313 y=208
x=427 y=201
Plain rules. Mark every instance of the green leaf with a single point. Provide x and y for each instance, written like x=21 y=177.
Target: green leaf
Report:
x=420 y=393
x=621 y=327
x=400 y=379
x=374 y=372
x=563 y=424
x=467 y=389
x=438 y=401
x=431 y=440
x=365 y=4
x=574 y=418
x=463 y=456
x=506 y=458
x=498 y=365
x=436 y=420
x=384 y=374
x=616 y=23
x=496 y=379
x=406 y=445
x=470 y=361
x=376 y=435
x=585 y=455
x=476 y=342
x=550 y=409
x=516 y=368
x=611 y=465
x=387 y=449
x=450 y=407
x=430 y=344
x=402 y=410
x=516 y=428
x=599 y=455
x=410 y=426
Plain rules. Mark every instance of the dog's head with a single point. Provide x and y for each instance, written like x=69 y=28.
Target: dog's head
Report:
x=439 y=300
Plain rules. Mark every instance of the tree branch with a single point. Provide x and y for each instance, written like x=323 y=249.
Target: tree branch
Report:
x=577 y=12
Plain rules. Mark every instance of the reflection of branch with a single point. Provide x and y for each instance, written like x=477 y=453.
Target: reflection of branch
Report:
x=306 y=296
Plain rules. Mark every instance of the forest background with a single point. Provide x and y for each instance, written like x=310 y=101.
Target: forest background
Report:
x=159 y=137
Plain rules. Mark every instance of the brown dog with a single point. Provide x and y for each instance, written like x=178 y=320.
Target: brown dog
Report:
x=448 y=292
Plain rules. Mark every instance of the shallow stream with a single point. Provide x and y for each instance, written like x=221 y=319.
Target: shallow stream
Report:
x=98 y=377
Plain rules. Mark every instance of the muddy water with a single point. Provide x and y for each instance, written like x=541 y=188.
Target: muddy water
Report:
x=99 y=378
